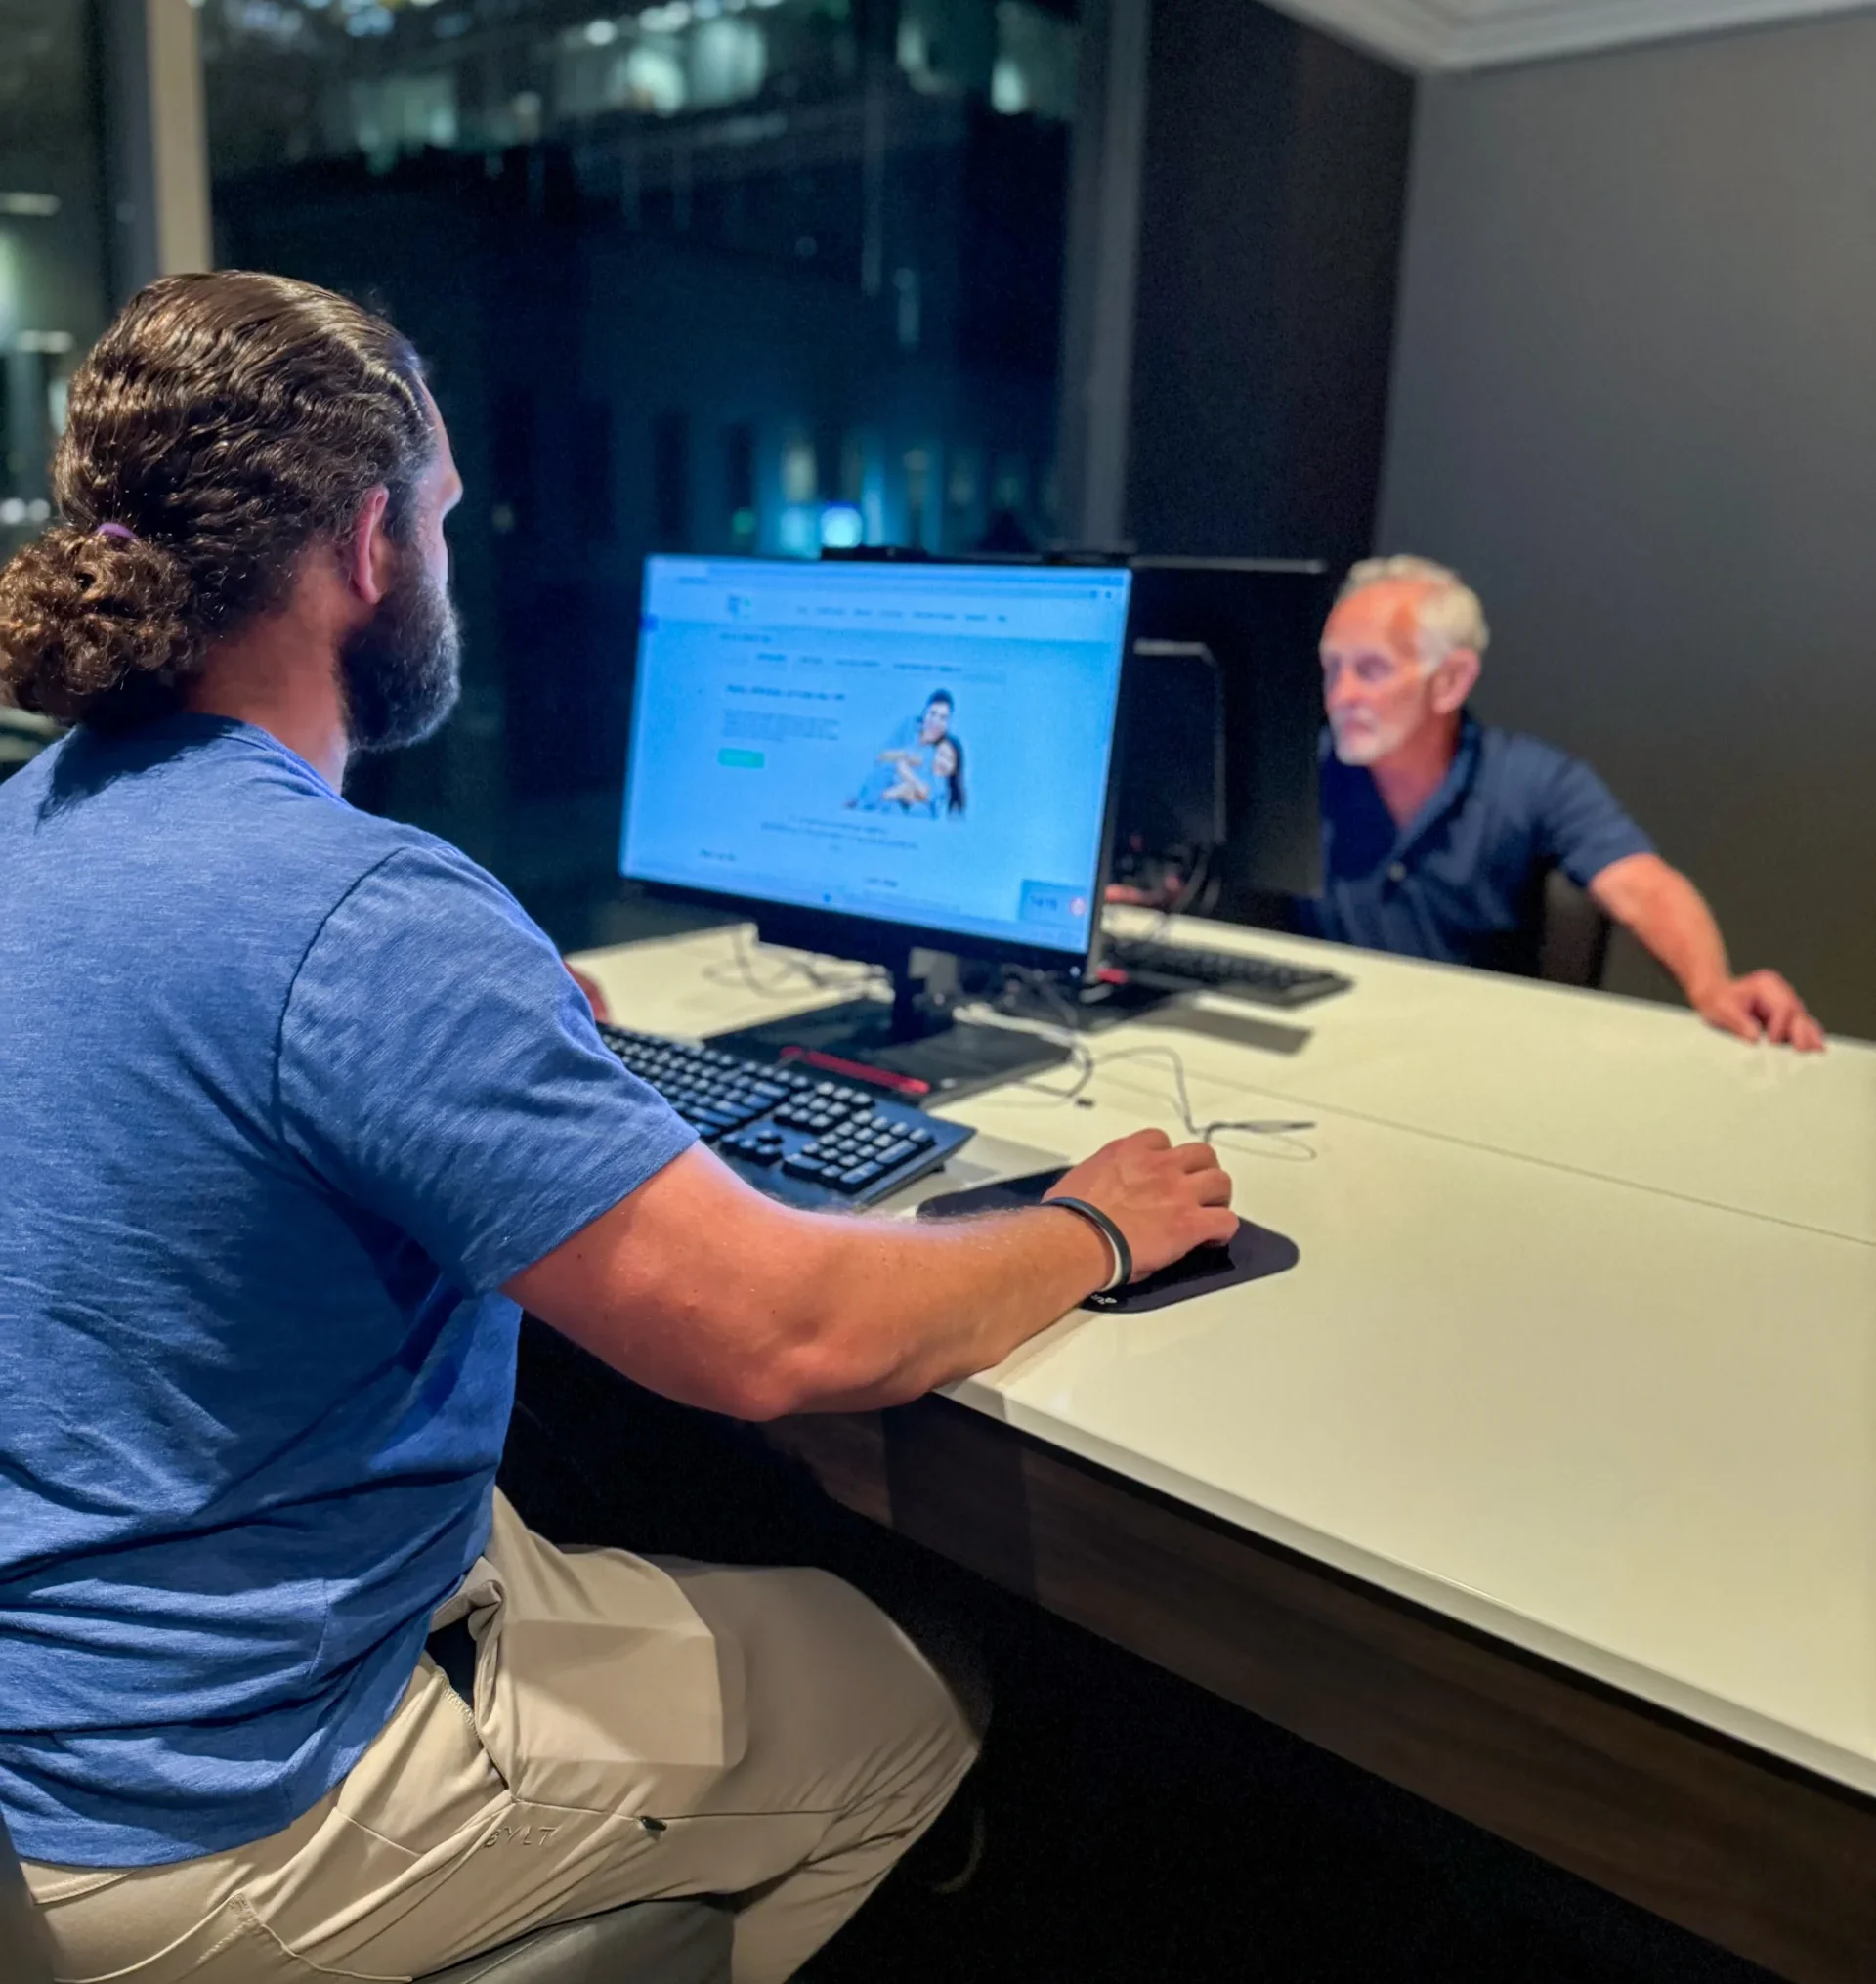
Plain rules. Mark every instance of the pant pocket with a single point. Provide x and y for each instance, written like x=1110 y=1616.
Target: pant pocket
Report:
x=598 y=1686
x=57 y=1887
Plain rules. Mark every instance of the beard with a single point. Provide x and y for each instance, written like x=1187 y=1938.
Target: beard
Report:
x=1365 y=740
x=399 y=673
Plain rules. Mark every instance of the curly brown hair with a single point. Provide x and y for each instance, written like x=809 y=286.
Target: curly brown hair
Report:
x=224 y=423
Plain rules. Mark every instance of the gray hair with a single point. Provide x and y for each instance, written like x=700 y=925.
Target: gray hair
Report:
x=1448 y=612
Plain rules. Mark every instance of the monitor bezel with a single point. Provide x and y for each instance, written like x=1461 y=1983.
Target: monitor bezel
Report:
x=876 y=941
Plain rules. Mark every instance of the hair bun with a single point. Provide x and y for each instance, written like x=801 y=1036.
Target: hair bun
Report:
x=91 y=621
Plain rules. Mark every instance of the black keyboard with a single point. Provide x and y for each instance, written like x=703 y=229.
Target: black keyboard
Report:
x=1178 y=967
x=800 y=1138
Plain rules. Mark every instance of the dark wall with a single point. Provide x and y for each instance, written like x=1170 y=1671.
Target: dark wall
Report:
x=1271 y=227
x=1635 y=403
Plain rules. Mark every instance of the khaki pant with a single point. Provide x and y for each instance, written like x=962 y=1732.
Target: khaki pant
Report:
x=641 y=1730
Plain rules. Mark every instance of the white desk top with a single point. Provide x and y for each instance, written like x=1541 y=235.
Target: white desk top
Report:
x=1582 y=1347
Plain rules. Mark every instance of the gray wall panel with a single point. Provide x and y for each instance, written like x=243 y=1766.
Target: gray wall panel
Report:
x=1635 y=401
x=1270 y=226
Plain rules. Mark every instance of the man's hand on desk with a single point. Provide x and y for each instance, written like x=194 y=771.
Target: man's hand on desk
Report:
x=1760 y=1006
x=1167 y=1199
x=700 y=1288
x=1671 y=917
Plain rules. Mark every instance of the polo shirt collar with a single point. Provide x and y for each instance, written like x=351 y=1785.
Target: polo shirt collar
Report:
x=1448 y=794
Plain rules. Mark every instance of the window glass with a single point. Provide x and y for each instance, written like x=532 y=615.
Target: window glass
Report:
x=52 y=252
x=708 y=276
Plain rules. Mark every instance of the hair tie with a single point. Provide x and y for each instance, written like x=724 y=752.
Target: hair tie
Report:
x=120 y=531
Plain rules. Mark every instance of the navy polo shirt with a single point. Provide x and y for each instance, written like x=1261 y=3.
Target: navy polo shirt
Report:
x=1462 y=881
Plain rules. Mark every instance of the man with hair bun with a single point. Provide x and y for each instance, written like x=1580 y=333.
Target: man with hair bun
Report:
x=300 y=1108
x=1439 y=831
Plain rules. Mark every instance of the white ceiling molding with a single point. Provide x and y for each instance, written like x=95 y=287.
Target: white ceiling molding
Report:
x=1463 y=34
x=1414 y=33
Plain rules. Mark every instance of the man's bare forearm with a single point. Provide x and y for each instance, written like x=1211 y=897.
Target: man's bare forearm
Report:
x=1669 y=916
x=978 y=1289
x=920 y=1306
x=699 y=1287
x=1665 y=909
x=761 y=1311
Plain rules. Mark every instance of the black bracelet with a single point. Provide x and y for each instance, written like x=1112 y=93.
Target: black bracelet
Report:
x=1110 y=1232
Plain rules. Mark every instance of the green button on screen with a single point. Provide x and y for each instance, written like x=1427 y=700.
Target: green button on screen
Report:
x=739 y=761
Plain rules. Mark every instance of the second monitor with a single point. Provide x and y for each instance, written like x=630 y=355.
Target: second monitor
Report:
x=1262 y=621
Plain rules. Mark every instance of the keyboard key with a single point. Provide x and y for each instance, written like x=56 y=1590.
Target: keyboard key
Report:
x=755 y=1112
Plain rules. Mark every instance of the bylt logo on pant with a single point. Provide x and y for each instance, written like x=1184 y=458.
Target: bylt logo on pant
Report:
x=521 y=1835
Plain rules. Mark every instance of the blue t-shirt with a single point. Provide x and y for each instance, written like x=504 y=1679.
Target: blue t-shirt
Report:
x=286 y=1094
x=1462 y=881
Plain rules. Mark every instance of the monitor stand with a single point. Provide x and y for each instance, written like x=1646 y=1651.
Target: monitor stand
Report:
x=910 y=1043
x=1092 y=1008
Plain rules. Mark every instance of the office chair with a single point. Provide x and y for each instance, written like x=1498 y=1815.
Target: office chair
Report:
x=653 y=1942
x=1573 y=947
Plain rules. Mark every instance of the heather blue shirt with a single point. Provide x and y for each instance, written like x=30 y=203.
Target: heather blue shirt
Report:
x=286 y=1094
x=1462 y=881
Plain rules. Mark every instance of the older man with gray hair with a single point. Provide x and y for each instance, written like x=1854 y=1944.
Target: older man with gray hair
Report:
x=1439 y=831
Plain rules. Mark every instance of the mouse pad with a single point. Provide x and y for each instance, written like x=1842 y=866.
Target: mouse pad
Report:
x=1248 y=1256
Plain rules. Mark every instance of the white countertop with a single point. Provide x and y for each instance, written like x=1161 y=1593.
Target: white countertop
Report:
x=1582 y=1347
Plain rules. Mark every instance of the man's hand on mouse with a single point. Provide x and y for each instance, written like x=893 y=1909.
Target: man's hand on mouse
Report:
x=1167 y=1199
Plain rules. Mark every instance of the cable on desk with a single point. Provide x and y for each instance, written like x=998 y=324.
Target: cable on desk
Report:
x=1086 y=1064
x=852 y=978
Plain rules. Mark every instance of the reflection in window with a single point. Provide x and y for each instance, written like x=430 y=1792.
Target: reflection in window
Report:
x=591 y=473
x=739 y=486
x=1034 y=66
x=51 y=251
x=672 y=483
x=732 y=275
x=800 y=474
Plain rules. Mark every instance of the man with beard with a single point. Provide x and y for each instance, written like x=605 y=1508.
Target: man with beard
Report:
x=299 y=1109
x=1439 y=831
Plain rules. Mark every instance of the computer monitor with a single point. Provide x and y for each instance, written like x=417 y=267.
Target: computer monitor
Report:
x=871 y=757
x=1168 y=781
x=1262 y=621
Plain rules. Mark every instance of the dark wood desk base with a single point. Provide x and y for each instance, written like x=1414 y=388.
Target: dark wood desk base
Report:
x=1767 y=1860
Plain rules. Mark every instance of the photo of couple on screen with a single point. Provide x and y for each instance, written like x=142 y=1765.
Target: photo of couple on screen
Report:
x=921 y=769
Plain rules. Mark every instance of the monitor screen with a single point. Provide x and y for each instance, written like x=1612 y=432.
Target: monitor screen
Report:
x=922 y=745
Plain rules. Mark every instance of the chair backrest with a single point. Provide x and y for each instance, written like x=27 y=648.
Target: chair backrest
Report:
x=24 y=1956
x=1574 y=947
